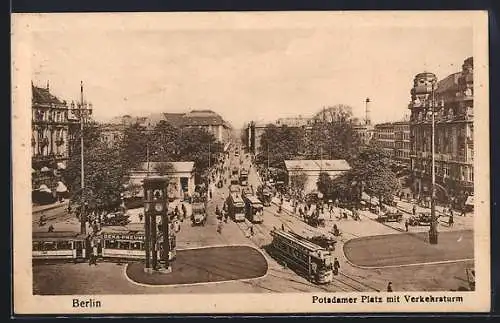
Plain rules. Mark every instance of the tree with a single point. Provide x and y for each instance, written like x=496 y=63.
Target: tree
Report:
x=198 y=145
x=164 y=142
x=372 y=172
x=298 y=180
x=134 y=146
x=279 y=144
x=325 y=184
x=105 y=174
x=332 y=135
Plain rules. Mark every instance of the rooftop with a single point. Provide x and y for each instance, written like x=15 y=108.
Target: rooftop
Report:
x=318 y=165
x=449 y=83
x=43 y=96
x=178 y=167
x=203 y=118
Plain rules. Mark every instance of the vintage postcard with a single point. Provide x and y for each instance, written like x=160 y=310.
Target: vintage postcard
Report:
x=251 y=162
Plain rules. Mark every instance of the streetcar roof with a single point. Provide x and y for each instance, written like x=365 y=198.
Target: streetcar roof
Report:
x=253 y=199
x=118 y=230
x=299 y=240
x=57 y=235
x=236 y=197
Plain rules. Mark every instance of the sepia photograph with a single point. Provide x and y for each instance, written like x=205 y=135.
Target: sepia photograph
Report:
x=250 y=162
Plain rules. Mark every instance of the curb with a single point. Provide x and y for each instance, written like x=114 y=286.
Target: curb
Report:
x=398 y=266
x=202 y=283
x=49 y=207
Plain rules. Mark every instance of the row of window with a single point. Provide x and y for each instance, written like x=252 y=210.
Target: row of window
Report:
x=304 y=258
x=49 y=115
x=52 y=245
x=463 y=173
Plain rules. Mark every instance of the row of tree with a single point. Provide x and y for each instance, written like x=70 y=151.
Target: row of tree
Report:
x=331 y=138
x=107 y=168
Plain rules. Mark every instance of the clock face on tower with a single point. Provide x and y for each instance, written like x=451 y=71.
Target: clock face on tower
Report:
x=159 y=207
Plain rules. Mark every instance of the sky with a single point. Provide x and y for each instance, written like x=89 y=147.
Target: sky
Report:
x=250 y=70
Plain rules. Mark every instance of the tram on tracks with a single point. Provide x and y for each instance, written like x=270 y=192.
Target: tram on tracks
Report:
x=59 y=246
x=254 y=210
x=305 y=257
x=129 y=245
x=65 y=245
x=236 y=207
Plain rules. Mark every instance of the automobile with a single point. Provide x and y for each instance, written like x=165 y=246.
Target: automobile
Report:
x=390 y=217
x=421 y=219
x=199 y=215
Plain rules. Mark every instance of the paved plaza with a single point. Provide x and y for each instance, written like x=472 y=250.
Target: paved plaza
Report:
x=205 y=265
x=235 y=259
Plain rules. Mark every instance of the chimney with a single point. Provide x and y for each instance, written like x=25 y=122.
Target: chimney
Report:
x=367 y=112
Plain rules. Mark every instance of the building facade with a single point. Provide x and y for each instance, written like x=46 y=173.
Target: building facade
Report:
x=210 y=121
x=402 y=145
x=453 y=99
x=384 y=137
x=203 y=119
x=53 y=125
x=364 y=131
x=313 y=168
x=181 y=177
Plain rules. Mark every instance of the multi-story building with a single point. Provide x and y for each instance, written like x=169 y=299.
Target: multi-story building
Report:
x=55 y=125
x=453 y=99
x=50 y=136
x=384 y=137
x=402 y=145
x=210 y=121
x=364 y=131
x=204 y=119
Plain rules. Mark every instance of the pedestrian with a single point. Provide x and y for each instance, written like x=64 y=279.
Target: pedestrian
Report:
x=184 y=211
x=406 y=225
x=282 y=227
x=51 y=228
x=251 y=230
x=94 y=252
x=176 y=211
x=219 y=227
x=336 y=266
x=414 y=209
x=450 y=221
x=389 y=287
x=336 y=231
x=141 y=216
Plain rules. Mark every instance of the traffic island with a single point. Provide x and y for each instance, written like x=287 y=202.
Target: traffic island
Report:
x=205 y=265
x=409 y=249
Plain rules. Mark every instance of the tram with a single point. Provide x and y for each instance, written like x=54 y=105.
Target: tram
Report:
x=303 y=256
x=254 y=210
x=129 y=245
x=236 y=207
x=59 y=245
x=243 y=177
x=66 y=245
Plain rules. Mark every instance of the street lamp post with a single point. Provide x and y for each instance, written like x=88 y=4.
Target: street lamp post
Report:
x=83 y=110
